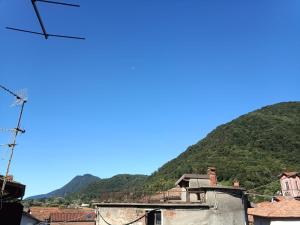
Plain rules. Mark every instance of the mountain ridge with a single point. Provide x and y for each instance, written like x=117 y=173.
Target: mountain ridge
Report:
x=253 y=148
x=75 y=185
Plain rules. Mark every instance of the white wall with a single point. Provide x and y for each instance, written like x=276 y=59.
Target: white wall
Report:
x=291 y=222
x=267 y=221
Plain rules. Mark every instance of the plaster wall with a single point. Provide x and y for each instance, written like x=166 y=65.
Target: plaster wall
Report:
x=196 y=183
x=119 y=215
x=226 y=209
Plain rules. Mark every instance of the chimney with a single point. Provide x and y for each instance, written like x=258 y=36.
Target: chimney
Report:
x=236 y=183
x=212 y=173
x=10 y=178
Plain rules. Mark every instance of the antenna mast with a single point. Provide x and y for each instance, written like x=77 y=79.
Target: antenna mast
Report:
x=39 y=18
x=20 y=100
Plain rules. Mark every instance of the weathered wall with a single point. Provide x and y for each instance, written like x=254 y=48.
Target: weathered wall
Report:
x=225 y=209
x=119 y=215
x=185 y=217
x=196 y=183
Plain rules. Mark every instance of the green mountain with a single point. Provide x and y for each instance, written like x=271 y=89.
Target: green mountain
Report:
x=75 y=185
x=253 y=148
x=111 y=186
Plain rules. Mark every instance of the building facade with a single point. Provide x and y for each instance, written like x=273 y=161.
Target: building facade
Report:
x=200 y=202
x=290 y=184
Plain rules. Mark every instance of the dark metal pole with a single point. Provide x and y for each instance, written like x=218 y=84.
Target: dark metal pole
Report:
x=64 y=36
x=58 y=3
x=39 y=18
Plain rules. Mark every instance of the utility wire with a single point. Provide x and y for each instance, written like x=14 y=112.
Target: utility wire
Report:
x=129 y=223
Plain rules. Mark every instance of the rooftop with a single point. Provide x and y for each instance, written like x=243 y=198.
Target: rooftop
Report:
x=187 y=177
x=283 y=208
x=72 y=217
x=43 y=213
x=289 y=174
x=154 y=205
x=12 y=189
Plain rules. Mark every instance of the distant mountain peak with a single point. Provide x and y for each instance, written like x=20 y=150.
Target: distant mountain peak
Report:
x=76 y=184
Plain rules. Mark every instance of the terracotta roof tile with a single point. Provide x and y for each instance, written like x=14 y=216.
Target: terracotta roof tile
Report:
x=281 y=209
x=72 y=217
x=43 y=213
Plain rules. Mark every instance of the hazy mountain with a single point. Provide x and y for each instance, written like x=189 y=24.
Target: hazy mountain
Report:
x=75 y=185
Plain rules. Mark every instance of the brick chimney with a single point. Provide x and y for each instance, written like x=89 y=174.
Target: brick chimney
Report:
x=236 y=183
x=212 y=173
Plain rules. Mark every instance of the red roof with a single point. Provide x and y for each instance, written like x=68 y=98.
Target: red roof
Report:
x=72 y=217
x=284 y=208
x=43 y=213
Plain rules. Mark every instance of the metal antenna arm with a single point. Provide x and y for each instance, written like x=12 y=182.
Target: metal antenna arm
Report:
x=39 y=18
x=58 y=3
x=9 y=91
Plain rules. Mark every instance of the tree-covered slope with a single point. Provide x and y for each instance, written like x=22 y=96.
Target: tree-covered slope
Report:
x=253 y=148
x=75 y=185
x=120 y=183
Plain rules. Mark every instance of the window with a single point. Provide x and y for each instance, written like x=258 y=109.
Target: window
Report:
x=157 y=220
x=153 y=218
x=287 y=186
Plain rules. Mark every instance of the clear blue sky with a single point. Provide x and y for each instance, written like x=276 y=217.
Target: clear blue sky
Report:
x=152 y=78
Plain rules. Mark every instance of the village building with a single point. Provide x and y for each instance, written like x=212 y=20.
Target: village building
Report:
x=290 y=184
x=196 y=200
x=281 y=211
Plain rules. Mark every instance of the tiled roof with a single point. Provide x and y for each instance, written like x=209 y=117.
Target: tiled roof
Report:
x=43 y=213
x=289 y=174
x=283 y=208
x=72 y=217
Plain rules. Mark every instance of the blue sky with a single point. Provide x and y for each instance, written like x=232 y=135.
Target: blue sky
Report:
x=152 y=78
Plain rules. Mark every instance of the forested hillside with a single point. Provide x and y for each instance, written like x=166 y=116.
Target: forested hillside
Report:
x=253 y=148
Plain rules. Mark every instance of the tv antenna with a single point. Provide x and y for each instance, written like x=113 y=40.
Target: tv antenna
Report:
x=21 y=101
x=43 y=28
